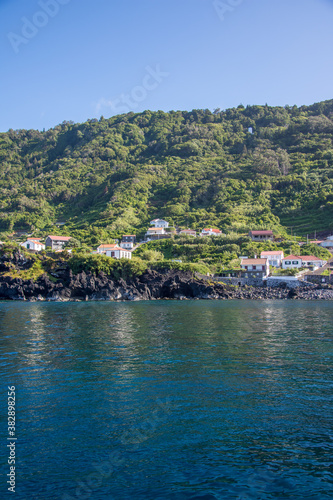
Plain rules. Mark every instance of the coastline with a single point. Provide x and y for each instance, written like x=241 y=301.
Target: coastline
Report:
x=152 y=285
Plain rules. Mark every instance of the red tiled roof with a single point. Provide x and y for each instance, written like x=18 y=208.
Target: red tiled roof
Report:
x=260 y=233
x=60 y=238
x=107 y=245
x=310 y=257
x=291 y=257
x=253 y=262
x=213 y=230
x=272 y=252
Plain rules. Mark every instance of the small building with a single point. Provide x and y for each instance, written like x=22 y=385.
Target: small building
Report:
x=274 y=257
x=114 y=251
x=188 y=232
x=316 y=242
x=105 y=247
x=211 y=232
x=159 y=223
x=255 y=268
x=118 y=253
x=328 y=243
x=155 y=231
x=261 y=235
x=312 y=261
x=33 y=244
x=292 y=262
x=128 y=241
x=230 y=273
x=57 y=242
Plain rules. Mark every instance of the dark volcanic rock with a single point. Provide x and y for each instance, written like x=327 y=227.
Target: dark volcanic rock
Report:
x=151 y=285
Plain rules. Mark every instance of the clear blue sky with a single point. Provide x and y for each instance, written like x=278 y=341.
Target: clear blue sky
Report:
x=80 y=59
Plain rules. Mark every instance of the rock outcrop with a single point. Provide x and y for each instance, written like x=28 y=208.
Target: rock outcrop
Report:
x=150 y=286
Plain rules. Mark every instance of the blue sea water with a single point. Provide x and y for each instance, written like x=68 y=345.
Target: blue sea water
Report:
x=169 y=400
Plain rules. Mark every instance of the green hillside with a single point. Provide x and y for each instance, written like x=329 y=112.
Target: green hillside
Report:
x=253 y=167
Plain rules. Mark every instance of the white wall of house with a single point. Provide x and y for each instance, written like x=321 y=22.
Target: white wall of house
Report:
x=274 y=260
x=155 y=230
x=119 y=254
x=159 y=223
x=291 y=263
x=210 y=232
x=33 y=245
x=313 y=263
x=128 y=245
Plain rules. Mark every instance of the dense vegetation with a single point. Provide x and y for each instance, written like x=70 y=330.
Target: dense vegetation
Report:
x=219 y=253
x=253 y=167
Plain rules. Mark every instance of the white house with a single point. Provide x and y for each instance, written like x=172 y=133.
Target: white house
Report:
x=312 y=261
x=113 y=250
x=119 y=253
x=159 y=223
x=292 y=262
x=33 y=244
x=255 y=268
x=155 y=230
x=211 y=232
x=274 y=257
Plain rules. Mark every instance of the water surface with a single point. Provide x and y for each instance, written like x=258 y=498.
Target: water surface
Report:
x=170 y=400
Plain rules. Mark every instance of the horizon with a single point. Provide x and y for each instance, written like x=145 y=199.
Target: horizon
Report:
x=74 y=62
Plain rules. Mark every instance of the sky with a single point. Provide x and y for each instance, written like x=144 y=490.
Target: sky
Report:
x=81 y=59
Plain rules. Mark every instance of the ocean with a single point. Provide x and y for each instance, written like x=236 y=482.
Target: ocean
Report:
x=168 y=400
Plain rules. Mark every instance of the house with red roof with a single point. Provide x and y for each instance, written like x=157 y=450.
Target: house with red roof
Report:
x=188 y=232
x=292 y=262
x=255 y=268
x=211 y=232
x=57 y=242
x=274 y=257
x=261 y=235
x=33 y=244
x=128 y=241
x=114 y=251
x=312 y=261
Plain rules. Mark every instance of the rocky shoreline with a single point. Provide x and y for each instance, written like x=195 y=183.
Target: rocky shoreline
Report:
x=152 y=285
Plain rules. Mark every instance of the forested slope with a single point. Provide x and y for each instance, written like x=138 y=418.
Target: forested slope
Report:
x=253 y=167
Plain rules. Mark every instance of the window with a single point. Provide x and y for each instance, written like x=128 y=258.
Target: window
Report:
x=295 y=262
x=254 y=268
x=112 y=254
x=287 y=262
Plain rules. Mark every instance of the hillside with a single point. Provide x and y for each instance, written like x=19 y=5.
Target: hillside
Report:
x=242 y=168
